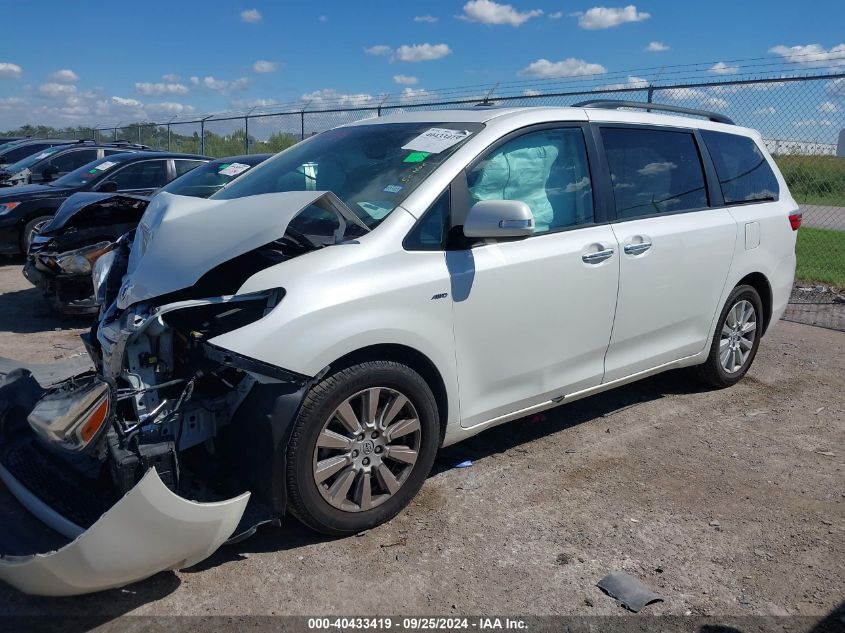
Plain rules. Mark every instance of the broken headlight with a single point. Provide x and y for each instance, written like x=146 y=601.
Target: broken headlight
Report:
x=79 y=262
x=101 y=273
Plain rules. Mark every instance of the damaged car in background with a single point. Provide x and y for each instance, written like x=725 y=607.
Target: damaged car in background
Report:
x=62 y=254
x=295 y=343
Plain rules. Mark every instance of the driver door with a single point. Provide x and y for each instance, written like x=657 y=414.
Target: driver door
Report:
x=533 y=317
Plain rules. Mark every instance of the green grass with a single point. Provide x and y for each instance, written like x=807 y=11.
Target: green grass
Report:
x=821 y=256
x=814 y=179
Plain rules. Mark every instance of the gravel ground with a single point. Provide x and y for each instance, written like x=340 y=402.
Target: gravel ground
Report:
x=725 y=502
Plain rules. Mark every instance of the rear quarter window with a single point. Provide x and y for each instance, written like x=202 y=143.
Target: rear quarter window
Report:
x=743 y=171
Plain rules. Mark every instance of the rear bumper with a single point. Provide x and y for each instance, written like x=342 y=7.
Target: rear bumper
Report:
x=148 y=530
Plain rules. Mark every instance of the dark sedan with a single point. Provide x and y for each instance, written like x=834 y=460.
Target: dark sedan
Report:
x=62 y=253
x=24 y=209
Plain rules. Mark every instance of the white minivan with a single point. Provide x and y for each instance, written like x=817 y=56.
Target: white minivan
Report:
x=305 y=340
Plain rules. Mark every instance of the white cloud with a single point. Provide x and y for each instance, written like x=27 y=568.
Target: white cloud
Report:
x=632 y=82
x=159 y=88
x=721 y=68
x=652 y=169
x=171 y=78
x=64 y=76
x=426 y=18
x=251 y=15
x=812 y=54
x=410 y=95
x=329 y=97
x=656 y=47
x=53 y=90
x=224 y=85
x=767 y=111
x=828 y=107
x=489 y=12
x=813 y=123
x=530 y=92
x=169 y=107
x=701 y=98
x=422 y=52
x=126 y=103
x=557 y=15
x=195 y=81
x=264 y=66
x=323 y=18
x=378 y=50
x=10 y=71
x=405 y=80
x=252 y=103
x=569 y=67
x=605 y=17
x=11 y=102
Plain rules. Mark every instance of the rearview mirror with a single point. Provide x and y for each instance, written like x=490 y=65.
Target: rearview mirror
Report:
x=49 y=172
x=108 y=186
x=499 y=218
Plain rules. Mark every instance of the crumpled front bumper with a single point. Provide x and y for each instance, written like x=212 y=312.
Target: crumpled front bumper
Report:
x=150 y=529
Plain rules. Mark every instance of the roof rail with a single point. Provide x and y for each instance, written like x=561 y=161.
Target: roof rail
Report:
x=613 y=104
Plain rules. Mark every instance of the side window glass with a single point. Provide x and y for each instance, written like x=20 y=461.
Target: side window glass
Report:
x=18 y=153
x=654 y=171
x=148 y=174
x=744 y=174
x=547 y=170
x=71 y=160
x=428 y=234
x=184 y=166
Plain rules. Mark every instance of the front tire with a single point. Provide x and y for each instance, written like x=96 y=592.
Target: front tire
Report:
x=736 y=339
x=362 y=446
x=31 y=228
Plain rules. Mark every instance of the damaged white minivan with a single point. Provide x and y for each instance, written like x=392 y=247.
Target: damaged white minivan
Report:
x=305 y=340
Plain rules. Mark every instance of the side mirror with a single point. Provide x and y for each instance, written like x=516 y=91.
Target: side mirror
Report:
x=499 y=218
x=109 y=186
x=49 y=172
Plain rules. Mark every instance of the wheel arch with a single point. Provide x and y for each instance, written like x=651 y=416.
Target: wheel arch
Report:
x=760 y=283
x=411 y=357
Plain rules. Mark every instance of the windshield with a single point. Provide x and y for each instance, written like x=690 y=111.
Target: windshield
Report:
x=207 y=179
x=87 y=173
x=372 y=168
x=29 y=161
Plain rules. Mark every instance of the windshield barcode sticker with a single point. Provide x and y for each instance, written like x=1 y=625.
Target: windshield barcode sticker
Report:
x=436 y=140
x=106 y=165
x=233 y=169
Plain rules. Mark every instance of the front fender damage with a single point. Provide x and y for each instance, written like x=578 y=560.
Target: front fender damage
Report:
x=149 y=530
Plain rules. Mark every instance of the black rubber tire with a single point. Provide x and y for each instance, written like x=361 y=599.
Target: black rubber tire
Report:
x=26 y=236
x=711 y=371
x=304 y=499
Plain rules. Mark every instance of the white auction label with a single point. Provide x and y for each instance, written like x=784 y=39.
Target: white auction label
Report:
x=436 y=139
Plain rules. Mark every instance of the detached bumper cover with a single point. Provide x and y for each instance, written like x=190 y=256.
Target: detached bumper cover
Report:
x=149 y=530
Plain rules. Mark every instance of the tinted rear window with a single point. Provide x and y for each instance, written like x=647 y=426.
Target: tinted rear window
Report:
x=744 y=174
x=654 y=171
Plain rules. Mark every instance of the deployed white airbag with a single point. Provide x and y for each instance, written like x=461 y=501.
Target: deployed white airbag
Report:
x=149 y=530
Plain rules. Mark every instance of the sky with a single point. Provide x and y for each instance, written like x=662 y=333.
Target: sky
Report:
x=82 y=63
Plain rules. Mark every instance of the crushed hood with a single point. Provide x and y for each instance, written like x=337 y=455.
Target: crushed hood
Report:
x=80 y=201
x=181 y=238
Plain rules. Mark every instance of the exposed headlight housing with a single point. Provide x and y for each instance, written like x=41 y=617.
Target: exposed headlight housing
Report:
x=101 y=273
x=80 y=261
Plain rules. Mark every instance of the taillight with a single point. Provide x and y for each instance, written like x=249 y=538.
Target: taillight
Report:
x=795 y=220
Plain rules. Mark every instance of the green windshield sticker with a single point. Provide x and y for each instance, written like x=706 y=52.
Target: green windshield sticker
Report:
x=416 y=157
x=223 y=166
x=92 y=171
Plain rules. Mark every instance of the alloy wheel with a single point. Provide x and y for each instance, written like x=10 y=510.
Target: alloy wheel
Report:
x=738 y=333
x=367 y=449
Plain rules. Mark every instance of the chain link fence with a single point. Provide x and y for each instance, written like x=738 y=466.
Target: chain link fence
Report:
x=801 y=118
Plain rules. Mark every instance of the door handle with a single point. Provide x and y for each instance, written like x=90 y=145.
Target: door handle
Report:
x=597 y=257
x=637 y=249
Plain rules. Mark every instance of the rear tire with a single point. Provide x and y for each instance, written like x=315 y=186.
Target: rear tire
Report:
x=362 y=446
x=30 y=229
x=736 y=339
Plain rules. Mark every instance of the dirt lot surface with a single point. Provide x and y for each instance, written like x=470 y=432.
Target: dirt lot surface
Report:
x=725 y=502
